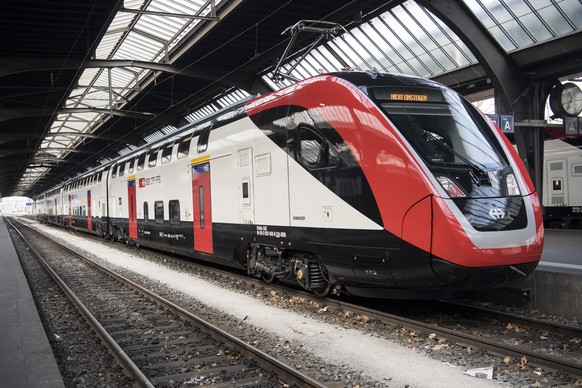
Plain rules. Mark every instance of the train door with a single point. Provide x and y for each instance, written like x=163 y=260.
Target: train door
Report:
x=132 y=210
x=89 y=212
x=201 y=196
x=557 y=173
x=245 y=183
x=56 y=212
x=70 y=210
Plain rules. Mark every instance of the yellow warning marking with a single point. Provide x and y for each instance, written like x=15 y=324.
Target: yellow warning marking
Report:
x=200 y=160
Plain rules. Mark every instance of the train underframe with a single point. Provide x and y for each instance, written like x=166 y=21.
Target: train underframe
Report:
x=271 y=263
x=432 y=277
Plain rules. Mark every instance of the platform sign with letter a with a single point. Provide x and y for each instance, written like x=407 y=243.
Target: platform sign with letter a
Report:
x=506 y=123
x=571 y=125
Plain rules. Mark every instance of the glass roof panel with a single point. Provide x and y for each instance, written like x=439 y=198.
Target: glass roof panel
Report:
x=130 y=36
x=325 y=59
x=517 y=24
x=536 y=26
x=163 y=27
x=158 y=135
x=573 y=9
x=406 y=39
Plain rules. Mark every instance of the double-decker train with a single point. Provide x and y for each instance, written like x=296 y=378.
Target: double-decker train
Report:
x=377 y=184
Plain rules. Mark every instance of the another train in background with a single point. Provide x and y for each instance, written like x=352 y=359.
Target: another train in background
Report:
x=562 y=194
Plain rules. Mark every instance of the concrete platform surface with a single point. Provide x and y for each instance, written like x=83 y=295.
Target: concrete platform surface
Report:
x=562 y=251
x=26 y=358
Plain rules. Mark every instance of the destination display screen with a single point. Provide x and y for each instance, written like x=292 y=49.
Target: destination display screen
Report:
x=408 y=95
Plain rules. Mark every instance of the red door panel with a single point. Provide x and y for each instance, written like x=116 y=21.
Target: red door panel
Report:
x=89 y=215
x=70 y=211
x=202 y=205
x=132 y=203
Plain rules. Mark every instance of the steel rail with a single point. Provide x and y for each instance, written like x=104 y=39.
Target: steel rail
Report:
x=534 y=358
x=122 y=358
x=287 y=373
x=557 y=328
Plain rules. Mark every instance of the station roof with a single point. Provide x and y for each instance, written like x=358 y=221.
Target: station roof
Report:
x=82 y=82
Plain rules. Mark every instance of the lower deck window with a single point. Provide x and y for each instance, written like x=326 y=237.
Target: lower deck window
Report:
x=159 y=212
x=174 y=212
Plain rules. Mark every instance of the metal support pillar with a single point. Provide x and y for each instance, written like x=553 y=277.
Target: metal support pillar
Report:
x=530 y=145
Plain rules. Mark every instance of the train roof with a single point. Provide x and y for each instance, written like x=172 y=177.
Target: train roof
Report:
x=368 y=78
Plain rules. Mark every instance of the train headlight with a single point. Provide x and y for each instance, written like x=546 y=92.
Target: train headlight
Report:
x=512 y=187
x=450 y=187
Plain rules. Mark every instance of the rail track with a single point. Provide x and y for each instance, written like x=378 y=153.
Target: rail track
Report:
x=156 y=342
x=528 y=340
x=542 y=343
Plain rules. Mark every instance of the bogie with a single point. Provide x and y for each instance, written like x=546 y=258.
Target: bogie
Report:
x=273 y=263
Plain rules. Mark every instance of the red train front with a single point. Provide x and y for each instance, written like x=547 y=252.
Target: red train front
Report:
x=456 y=208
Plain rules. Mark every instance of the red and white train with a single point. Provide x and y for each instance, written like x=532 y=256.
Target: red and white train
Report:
x=383 y=185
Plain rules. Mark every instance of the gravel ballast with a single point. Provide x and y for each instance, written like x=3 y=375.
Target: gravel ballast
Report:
x=335 y=347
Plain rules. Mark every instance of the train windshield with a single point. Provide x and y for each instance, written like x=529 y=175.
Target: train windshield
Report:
x=442 y=127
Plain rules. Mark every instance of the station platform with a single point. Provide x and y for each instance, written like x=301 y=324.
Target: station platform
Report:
x=562 y=251
x=26 y=358
x=556 y=285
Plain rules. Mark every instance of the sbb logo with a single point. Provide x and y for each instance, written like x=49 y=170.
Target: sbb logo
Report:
x=141 y=183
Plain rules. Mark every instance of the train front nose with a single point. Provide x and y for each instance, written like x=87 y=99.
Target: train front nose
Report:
x=475 y=243
x=465 y=278
x=486 y=242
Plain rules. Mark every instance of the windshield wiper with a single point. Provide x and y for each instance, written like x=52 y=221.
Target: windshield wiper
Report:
x=478 y=174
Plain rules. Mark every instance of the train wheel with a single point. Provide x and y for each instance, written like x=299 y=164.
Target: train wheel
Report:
x=268 y=278
x=99 y=230
x=322 y=293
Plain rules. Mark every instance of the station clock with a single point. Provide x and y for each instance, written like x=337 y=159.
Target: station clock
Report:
x=566 y=100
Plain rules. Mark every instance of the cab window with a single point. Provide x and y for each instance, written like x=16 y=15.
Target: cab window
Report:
x=313 y=150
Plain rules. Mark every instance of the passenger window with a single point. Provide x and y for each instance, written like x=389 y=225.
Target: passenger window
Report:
x=203 y=139
x=245 y=190
x=167 y=153
x=314 y=151
x=174 y=212
x=121 y=169
x=184 y=147
x=131 y=165
x=114 y=173
x=159 y=212
x=146 y=212
x=153 y=159
x=141 y=161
